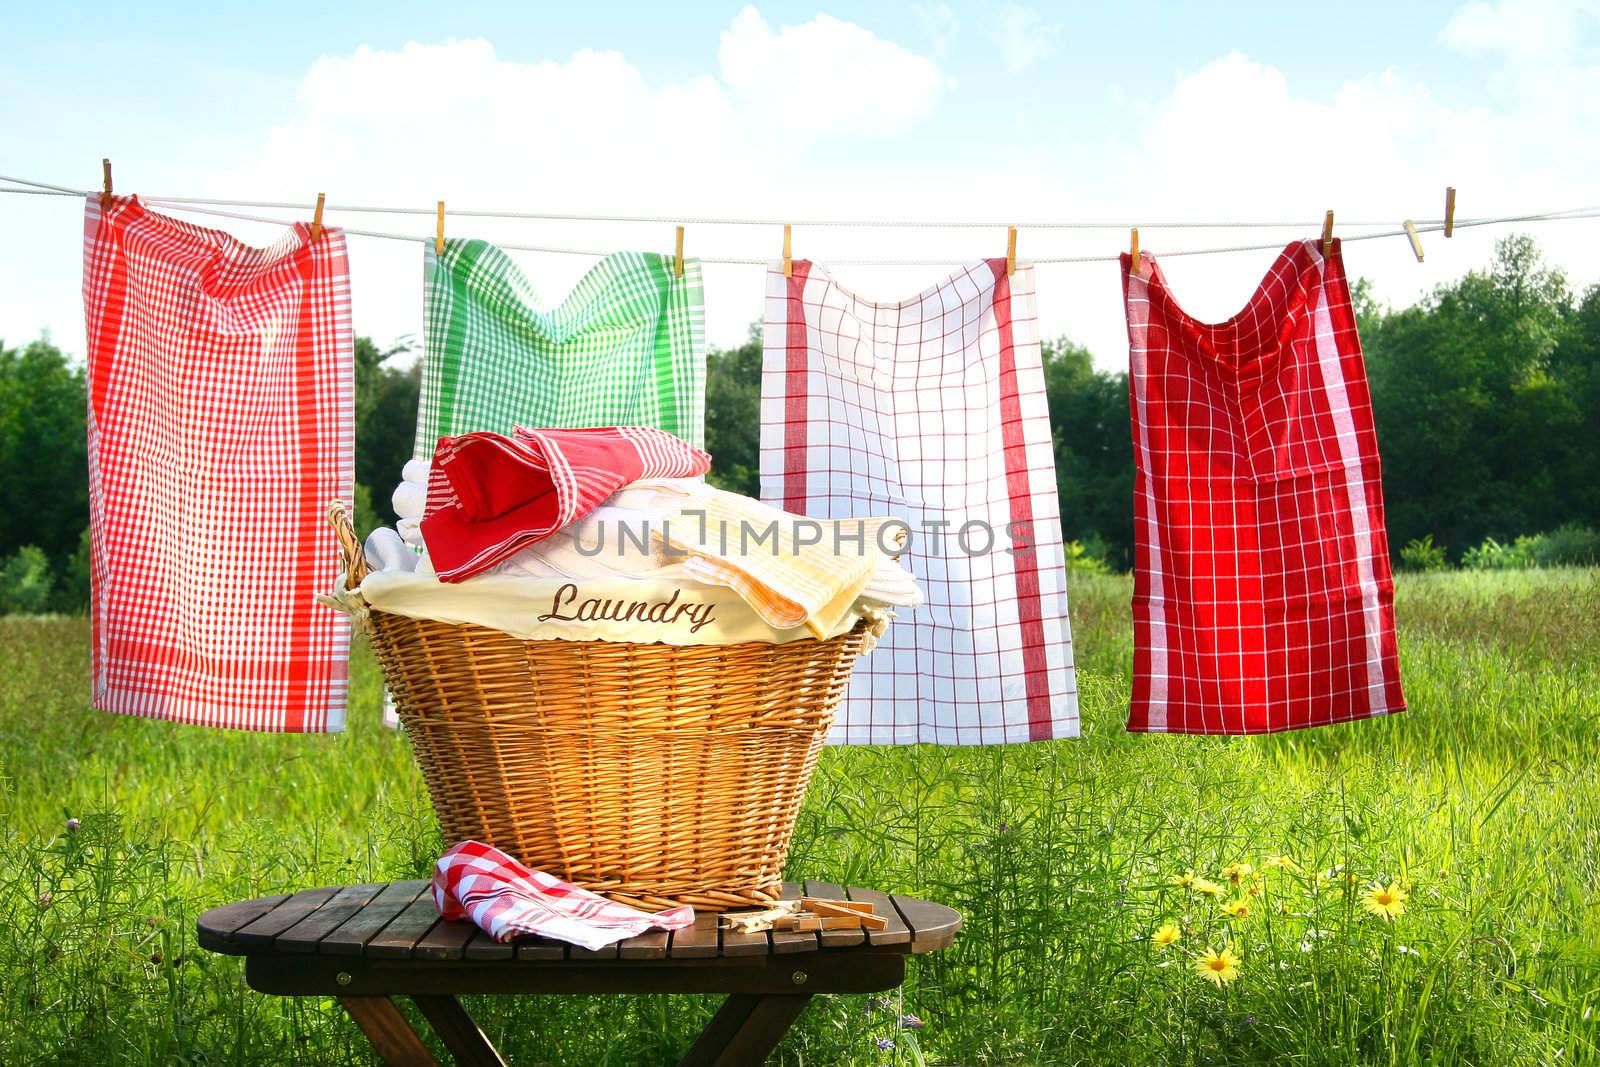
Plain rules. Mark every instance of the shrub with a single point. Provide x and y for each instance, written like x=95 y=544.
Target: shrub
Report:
x=71 y=595
x=1568 y=546
x=1494 y=556
x=25 y=582
x=1081 y=560
x=1421 y=554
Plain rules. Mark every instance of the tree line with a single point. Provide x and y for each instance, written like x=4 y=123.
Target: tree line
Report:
x=1486 y=395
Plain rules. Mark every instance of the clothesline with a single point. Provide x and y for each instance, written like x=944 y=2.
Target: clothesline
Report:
x=215 y=207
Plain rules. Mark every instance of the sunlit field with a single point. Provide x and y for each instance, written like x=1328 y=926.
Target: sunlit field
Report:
x=1421 y=889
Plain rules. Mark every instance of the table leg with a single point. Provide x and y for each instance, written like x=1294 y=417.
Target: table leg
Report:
x=459 y=1033
x=396 y=1043
x=745 y=1030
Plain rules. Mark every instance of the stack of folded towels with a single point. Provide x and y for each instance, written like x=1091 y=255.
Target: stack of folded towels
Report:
x=495 y=523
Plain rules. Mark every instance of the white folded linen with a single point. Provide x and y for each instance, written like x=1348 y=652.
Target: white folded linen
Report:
x=409 y=500
x=416 y=470
x=385 y=551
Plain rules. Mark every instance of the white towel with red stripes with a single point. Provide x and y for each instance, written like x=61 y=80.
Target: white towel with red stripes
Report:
x=504 y=899
x=933 y=410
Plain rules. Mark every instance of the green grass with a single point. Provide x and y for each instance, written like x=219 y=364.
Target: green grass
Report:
x=1483 y=800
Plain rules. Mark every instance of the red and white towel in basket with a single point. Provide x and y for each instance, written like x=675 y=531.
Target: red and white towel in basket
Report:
x=504 y=899
x=931 y=410
x=489 y=496
x=220 y=426
x=1263 y=598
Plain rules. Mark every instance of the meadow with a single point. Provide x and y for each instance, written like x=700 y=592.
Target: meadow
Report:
x=1481 y=805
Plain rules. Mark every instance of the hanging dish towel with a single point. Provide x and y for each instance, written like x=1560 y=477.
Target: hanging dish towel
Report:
x=1263 y=599
x=627 y=347
x=490 y=496
x=504 y=899
x=220 y=425
x=932 y=410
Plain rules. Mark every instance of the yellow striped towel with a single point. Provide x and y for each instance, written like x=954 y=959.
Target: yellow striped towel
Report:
x=792 y=570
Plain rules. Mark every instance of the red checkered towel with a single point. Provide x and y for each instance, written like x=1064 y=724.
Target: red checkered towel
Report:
x=220 y=425
x=490 y=496
x=504 y=898
x=931 y=410
x=1263 y=598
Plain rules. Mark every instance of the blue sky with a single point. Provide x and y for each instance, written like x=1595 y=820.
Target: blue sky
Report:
x=993 y=110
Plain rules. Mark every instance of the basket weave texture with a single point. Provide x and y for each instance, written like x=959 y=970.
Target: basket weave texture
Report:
x=654 y=774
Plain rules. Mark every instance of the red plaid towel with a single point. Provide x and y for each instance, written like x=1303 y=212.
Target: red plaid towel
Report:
x=220 y=425
x=504 y=898
x=1263 y=599
x=491 y=496
x=931 y=410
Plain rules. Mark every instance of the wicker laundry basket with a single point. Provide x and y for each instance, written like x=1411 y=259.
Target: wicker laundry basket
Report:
x=655 y=774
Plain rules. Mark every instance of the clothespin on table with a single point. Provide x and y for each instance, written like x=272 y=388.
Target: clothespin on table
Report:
x=438 y=232
x=861 y=911
x=677 y=256
x=105 y=197
x=1011 y=251
x=1416 y=242
x=316 y=219
x=1327 y=234
x=1133 y=254
x=788 y=264
x=1449 y=209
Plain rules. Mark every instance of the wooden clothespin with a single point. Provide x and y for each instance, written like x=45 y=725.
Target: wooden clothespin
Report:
x=1416 y=242
x=1327 y=234
x=1011 y=251
x=788 y=264
x=438 y=232
x=859 y=910
x=1133 y=254
x=1449 y=208
x=677 y=256
x=316 y=218
x=105 y=197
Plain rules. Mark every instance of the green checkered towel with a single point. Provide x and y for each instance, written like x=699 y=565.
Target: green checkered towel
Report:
x=626 y=348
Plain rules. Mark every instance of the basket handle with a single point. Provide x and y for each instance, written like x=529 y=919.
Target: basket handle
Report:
x=350 y=553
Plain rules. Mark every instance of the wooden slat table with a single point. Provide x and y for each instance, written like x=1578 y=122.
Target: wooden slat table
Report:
x=366 y=944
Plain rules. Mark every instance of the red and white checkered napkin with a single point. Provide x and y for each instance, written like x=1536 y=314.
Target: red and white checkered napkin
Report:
x=490 y=496
x=931 y=410
x=504 y=898
x=220 y=426
x=1263 y=598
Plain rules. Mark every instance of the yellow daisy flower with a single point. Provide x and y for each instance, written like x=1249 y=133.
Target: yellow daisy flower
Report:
x=1282 y=863
x=1218 y=968
x=1186 y=879
x=1237 y=872
x=1386 y=902
x=1206 y=887
x=1166 y=934
x=1237 y=909
x=1254 y=889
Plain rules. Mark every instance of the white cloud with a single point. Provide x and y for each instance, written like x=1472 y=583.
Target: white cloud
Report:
x=588 y=134
x=1524 y=31
x=456 y=116
x=1235 y=140
x=1023 y=36
x=940 y=23
x=826 y=75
